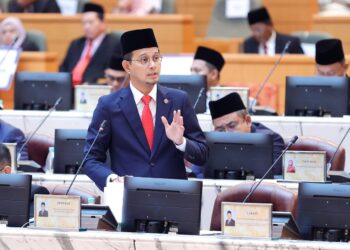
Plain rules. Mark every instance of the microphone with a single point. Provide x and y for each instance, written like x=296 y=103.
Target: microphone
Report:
x=58 y=101
x=262 y=85
x=198 y=97
x=102 y=126
x=291 y=142
x=329 y=164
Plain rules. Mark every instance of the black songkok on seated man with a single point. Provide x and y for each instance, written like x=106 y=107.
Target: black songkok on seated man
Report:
x=329 y=51
x=226 y=105
x=92 y=7
x=211 y=56
x=116 y=63
x=137 y=39
x=260 y=15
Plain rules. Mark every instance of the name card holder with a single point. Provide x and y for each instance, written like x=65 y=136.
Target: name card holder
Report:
x=251 y=220
x=57 y=212
x=304 y=166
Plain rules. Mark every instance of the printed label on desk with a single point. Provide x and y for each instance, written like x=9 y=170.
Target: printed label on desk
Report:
x=57 y=211
x=86 y=96
x=304 y=166
x=246 y=219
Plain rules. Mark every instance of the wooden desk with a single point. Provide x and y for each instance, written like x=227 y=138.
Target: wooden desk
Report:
x=32 y=62
x=174 y=33
x=337 y=26
x=22 y=238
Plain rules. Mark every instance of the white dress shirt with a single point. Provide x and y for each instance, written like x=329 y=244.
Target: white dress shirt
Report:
x=95 y=45
x=271 y=45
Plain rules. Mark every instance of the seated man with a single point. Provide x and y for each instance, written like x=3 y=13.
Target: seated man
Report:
x=208 y=62
x=330 y=60
x=33 y=6
x=115 y=74
x=89 y=56
x=5 y=168
x=230 y=115
x=11 y=134
x=265 y=40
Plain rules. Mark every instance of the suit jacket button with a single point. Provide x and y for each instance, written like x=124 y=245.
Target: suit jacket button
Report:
x=152 y=164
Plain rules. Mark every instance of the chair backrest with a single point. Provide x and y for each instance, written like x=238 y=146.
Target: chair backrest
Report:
x=81 y=4
x=281 y=198
x=307 y=143
x=4 y=5
x=38 y=148
x=39 y=38
x=117 y=34
x=221 y=26
x=168 y=6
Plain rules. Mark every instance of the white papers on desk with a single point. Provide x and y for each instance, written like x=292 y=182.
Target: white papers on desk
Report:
x=113 y=194
x=68 y=7
x=8 y=66
x=237 y=8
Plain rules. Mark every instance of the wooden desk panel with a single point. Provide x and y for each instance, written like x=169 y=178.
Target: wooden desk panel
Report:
x=32 y=62
x=337 y=26
x=289 y=16
x=174 y=33
x=253 y=69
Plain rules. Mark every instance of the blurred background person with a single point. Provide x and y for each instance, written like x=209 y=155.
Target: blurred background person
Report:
x=33 y=6
x=135 y=7
x=115 y=74
x=88 y=56
x=12 y=33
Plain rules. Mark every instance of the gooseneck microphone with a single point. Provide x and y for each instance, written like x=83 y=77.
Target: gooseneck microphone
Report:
x=329 y=164
x=198 y=97
x=262 y=85
x=291 y=142
x=58 y=101
x=102 y=126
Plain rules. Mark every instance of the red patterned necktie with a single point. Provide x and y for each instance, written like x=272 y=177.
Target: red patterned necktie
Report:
x=147 y=120
x=81 y=66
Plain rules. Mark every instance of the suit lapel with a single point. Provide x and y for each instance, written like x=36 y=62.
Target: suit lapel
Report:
x=128 y=106
x=164 y=105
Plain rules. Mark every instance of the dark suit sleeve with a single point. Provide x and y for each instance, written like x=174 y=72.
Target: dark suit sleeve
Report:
x=197 y=150
x=16 y=135
x=295 y=47
x=278 y=147
x=94 y=166
x=250 y=46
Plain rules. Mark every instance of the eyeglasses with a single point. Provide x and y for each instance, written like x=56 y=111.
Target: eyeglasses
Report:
x=145 y=60
x=113 y=78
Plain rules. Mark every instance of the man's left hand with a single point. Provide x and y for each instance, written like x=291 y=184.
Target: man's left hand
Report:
x=175 y=130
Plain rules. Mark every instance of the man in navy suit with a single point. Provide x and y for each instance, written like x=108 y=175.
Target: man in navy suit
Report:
x=89 y=56
x=265 y=40
x=150 y=129
x=11 y=134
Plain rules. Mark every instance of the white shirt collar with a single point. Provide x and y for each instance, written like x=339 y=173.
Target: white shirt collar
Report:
x=138 y=94
x=272 y=39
